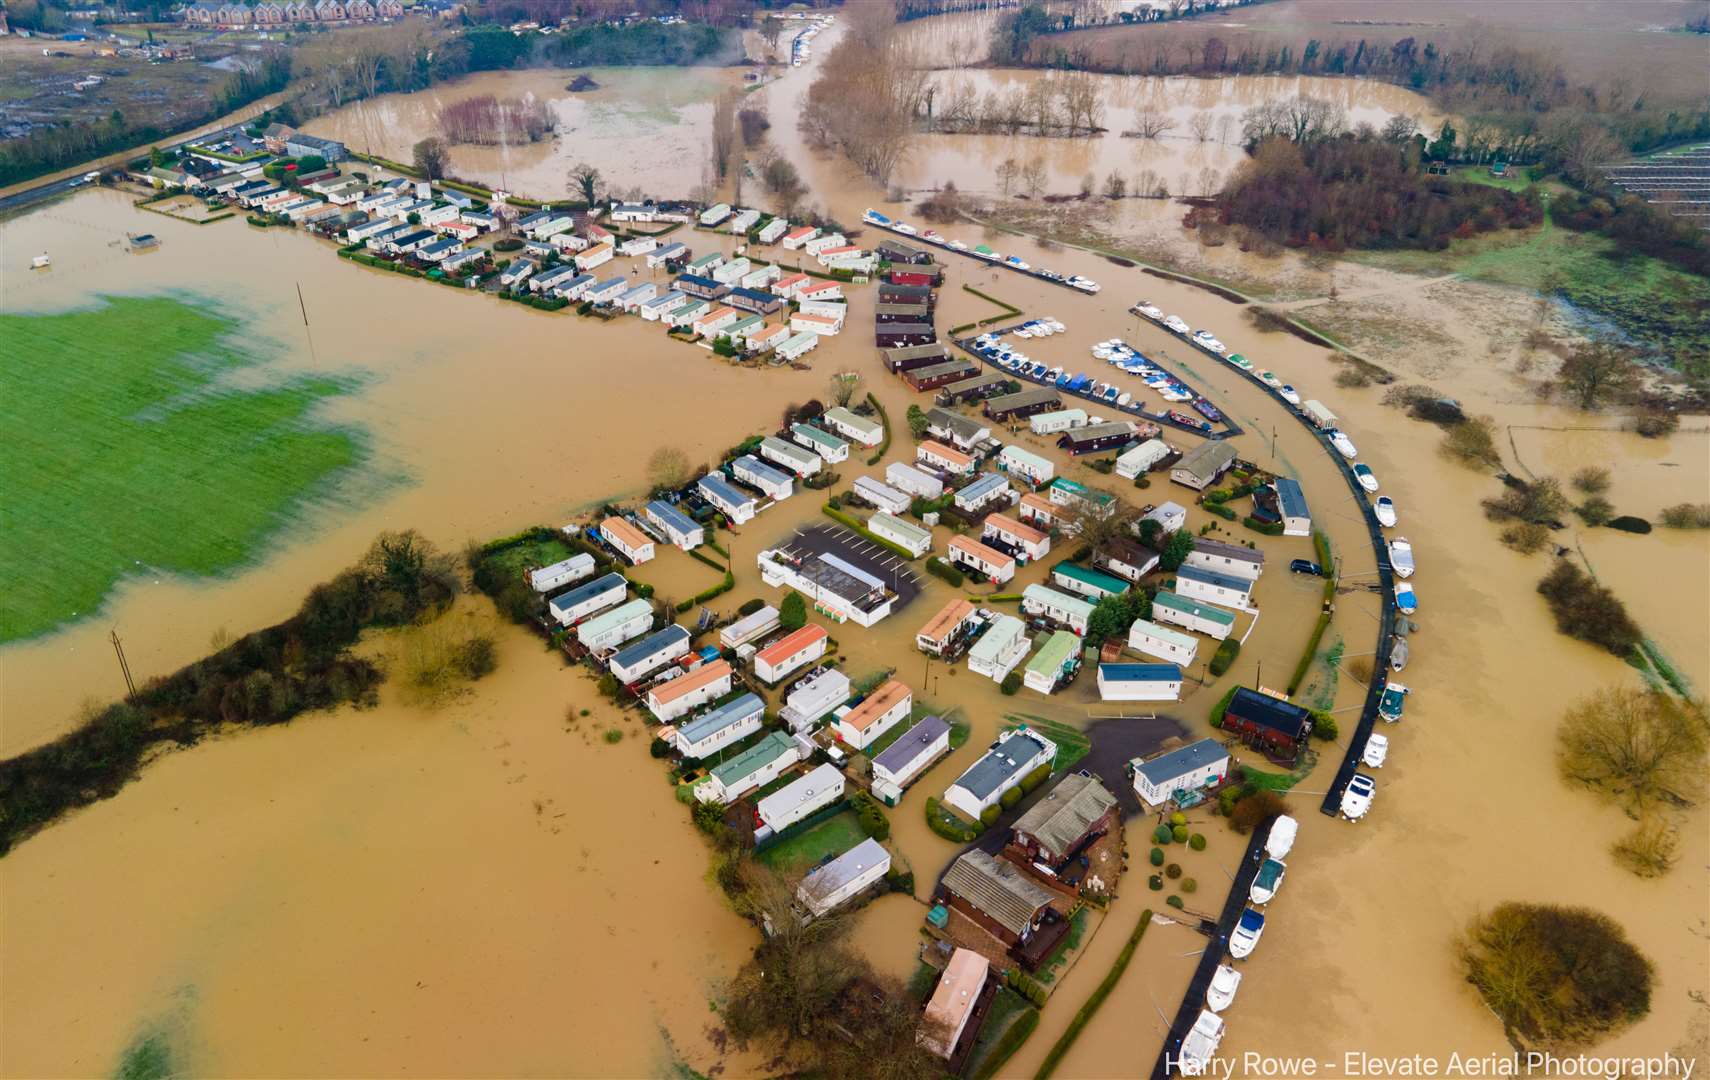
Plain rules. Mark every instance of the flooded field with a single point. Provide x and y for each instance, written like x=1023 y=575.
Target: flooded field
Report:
x=403 y=880
x=644 y=128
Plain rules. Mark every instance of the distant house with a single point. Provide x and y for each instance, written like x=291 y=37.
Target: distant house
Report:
x=944 y=458
x=1054 y=664
x=299 y=145
x=1022 y=404
x=984 y=491
x=813 y=697
x=1278 y=727
x=832 y=884
x=632 y=212
x=1201 y=467
x=997 y=896
x=877 y=713
x=628 y=540
x=802 y=462
x=703 y=288
x=733 y=503
x=1139 y=682
x=1183 y=771
x=945 y=1022
x=1231 y=559
x=1000 y=648
x=1005 y=764
x=1050 y=837
x=1291 y=506
x=908 y=757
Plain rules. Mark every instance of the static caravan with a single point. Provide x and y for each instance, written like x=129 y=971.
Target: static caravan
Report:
x=551 y=279
x=607 y=291
x=1231 y=559
x=882 y=495
x=946 y=630
x=1026 y=464
x=1031 y=543
x=820 y=292
x=795 y=238
x=598 y=255
x=1151 y=639
x=679 y=696
x=906 y=535
x=744 y=220
x=774 y=231
x=644 y=657
x=914 y=481
x=661 y=307
x=1128 y=559
x=805 y=322
x=790 y=653
x=632 y=298
x=1186 y=770
x=714 y=730
x=788 y=285
x=803 y=463
x=830 y=885
x=768 y=337
x=797 y=346
x=1213 y=622
x=1139 y=682
x=1059 y=607
x=688 y=313
x=755 y=473
x=989 y=489
x=1131 y=463
x=625 y=538
x=714 y=214
x=988 y=562
x=1320 y=416
x=954 y=1001
x=639 y=245
x=1003 y=766
x=914 y=751
x=705 y=265
x=862 y=429
x=818 y=244
x=1088 y=583
x=702 y=288
x=1054 y=663
x=835 y=309
x=739 y=330
x=799 y=799
x=814 y=697
x=1022 y=404
x=681 y=529
x=823 y=443
x=1097 y=438
x=1291 y=506
x=755 y=767
x=728 y=273
x=758 y=301
x=584 y=600
x=1000 y=648
x=863 y=724
x=610 y=629
x=749 y=628
x=673 y=252
x=561 y=573
x=1214 y=588
x=954 y=429
x=715 y=321
x=761 y=276
x=944 y=458
x=733 y=503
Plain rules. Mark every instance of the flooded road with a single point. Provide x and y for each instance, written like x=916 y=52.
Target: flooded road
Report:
x=394 y=890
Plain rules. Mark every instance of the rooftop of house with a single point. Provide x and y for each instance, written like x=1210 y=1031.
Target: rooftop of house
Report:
x=876 y=704
x=912 y=744
x=753 y=759
x=1268 y=711
x=1221 y=550
x=1193 y=607
x=1065 y=815
x=725 y=716
x=671 y=637
x=948 y=618
x=798 y=640
x=583 y=593
x=1181 y=761
x=1000 y=763
x=1140 y=673
x=687 y=684
x=998 y=888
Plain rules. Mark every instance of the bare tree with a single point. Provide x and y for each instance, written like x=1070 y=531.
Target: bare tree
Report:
x=1115 y=187
x=429 y=156
x=586 y=179
x=1210 y=181
x=1008 y=171
x=1151 y=123
x=1597 y=371
x=1034 y=176
x=844 y=386
x=724 y=134
x=1200 y=126
x=1225 y=127
x=668 y=468
x=1636 y=746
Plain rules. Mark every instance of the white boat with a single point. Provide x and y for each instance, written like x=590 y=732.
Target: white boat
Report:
x=1221 y=993
x=1281 y=840
x=1124 y=399
x=1343 y=445
x=1393 y=702
x=1267 y=881
x=1056 y=327
x=1086 y=285
x=1289 y=394
x=905 y=228
x=1245 y=937
x=1269 y=378
x=1148 y=310
x=1405 y=600
x=1206 y=340
x=957 y=245
x=1357 y=797
x=1377 y=749
x=41 y=262
x=1200 y=1043
x=1016 y=262
x=1385 y=511
x=1367 y=478
x=1177 y=325
x=1401 y=557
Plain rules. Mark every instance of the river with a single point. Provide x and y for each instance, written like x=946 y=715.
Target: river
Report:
x=395 y=890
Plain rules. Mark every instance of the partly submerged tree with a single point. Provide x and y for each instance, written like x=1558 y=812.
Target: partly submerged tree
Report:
x=1636 y=746
x=430 y=156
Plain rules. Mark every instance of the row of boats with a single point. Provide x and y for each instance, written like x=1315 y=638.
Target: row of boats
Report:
x=978 y=251
x=992 y=347
x=1206 y=1035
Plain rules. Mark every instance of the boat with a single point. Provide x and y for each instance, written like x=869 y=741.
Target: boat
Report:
x=1200 y=1043
x=1124 y=399
x=904 y=227
x=873 y=217
x=41 y=262
x=1376 y=751
x=1405 y=600
x=956 y=245
x=984 y=252
x=1398 y=654
x=1393 y=701
x=1343 y=445
x=1401 y=557
x=1289 y=394
x=1221 y=993
x=1177 y=325
x=1357 y=798
x=1281 y=839
x=1267 y=881
x=1367 y=478
x=1017 y=263
x=1245 y=937
x=1085 y=284
x=1148 y=310
x=1206 y=340
x=1269 y=378
x=1385 y=511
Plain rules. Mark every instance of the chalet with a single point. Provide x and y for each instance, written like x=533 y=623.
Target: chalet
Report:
x=864 y=723
x=997 y=896
x=638 y=245
x=1139 y=682
x=598 y=255
x=755 y=767
x=1201 y=467
x=913 y=752
x=1055 y=663
x=737 y=332
x=864 y=430
x=909 y=479
x=973 y=388
x=575 y=288
x=466 y=257
x=1127 y=559
x=1097 y=438
x=790 y=653
x=932 y=376
x=1004 y=645
x=755 y=473
x=833 y=884
x=701 y=288
x=1278 y=727
x=1075 y=496
x=1291 y=507
x=1031 y=467
x=895 y=251
x=439 y=250
x=705 y=265
x=962 y=432
x=712 y=215
x=1024 y=541
x=1230 y=559
x=1087 y=583
x=609 y=629
x=823 y=242
x=813 y=697
x=1050 y=838
x=988 y=489
x=714 y=321
x=1180 y=774
x=671 y=253
x=607 y=291
x=954 y=624
x=1141 y=459
x=1212 y=587
x=803 y=463
x=806 y=322
x=904 y=294
x=881 y=495
x=564 y=572
x=633 y=212
x=644 y=657
x=886 y=314
x=1037 y=510
x=743 y=220
x=799 y=799
x=515 y=273
x=908 y=357
x=548 y=280
x=760 y=277
x=1151 y=639
x=730 y=272
x=582 y=601
x=734 y=504
x=944 y=1025
x=1171 y=517
x=768 y=337
x=1022 y=404
x=626 y=539
x=660 y=307
x=1058 y=607
x=752 y=627
x=680 y=696
x=679 y=528
x=831 y=254
x=1213 y=622
x=688 y=313
x=906 y=535
x=791 y=284
x=987 y=562
x=892 y=335
x=717 y=728
x=795 y=238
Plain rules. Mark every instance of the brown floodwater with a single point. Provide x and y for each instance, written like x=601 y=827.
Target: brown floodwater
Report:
x=301 y=901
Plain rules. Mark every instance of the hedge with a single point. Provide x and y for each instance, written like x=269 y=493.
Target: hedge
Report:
x=885 y=440
x=1086 y=1012
x=1267 y=528
x=1005 y=1047
x=1225 y=655
x=1222 y=706
x=1305 y=664
x=1009 y=798
x=710 y=562
x=720 y=589
x=1036 y=777
x=749 y=607
x=873 y=820
x=1219 y=510
x=1027 y=986
x=943 y=571
x=944 y=822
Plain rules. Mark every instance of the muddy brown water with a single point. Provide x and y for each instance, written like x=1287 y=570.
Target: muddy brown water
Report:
x=368 y=891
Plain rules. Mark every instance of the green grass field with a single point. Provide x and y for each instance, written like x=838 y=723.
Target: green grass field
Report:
x=142 y=436
x=833 y=836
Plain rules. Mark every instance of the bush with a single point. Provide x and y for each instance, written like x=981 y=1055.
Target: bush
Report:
x=1226 y=653
x=900 y=880
x=1011 y=683
x=1472 y=442
x=749 y=607
x=1592 y=480
x=1027 y=986
x=1174 y=901
x=947 y=824
x=1009 y=798
x=1162 y=835
x=509 y=243
x=871 y=816
x=1266 y=528
x=1189 y=885
x=1687 y=516
x=1555 y=975
x=989 y=815
x=1222 y=706
x=1197 y=841
x=945 y=572
x=1036 y=777
x=1254 y=810
x=709 y=817
x=1595 y=511
x=477 y=657
x=613 y=736
x=1219 y=510
x=1155 y=883
x=1527 y=538
x=658 y=748
x=1588 y=611
x=1173 y=871
x=1178 y=818
x=1323 y=725
x=1179 y=834
x=1157 y=856
x=792 y=612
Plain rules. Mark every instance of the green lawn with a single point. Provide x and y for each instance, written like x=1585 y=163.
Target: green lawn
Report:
x=1008 y=1024
x=542 y=552
x=142 y=436
x=833 y=836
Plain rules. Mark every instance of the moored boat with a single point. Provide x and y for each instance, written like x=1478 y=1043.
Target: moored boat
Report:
x=1221 y=993
x=1368 y=479
x=1405 y=600
x=1385 y=511
x=1267 y=881
x=1376 y=750
x=1393 y=701
x=1401 y=557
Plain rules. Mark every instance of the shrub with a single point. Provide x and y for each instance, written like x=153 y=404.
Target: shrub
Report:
x=1173 y=871
x=1656 y=423
x=1472 y=442
x=1155 y=883
x=509 y=243
x=658 y=748
x=645 y=591
x=1226 y=653
x=613 y=736
x=1649 y=850
x=1222 y=706
x=989 y=815
x=1595 y=511
x=1178 y=818
x=1036 y=777
x=749 y=607
x=1636 y=746
x=1556 y=975
x=1592 y=480
x=945 y=572
x=1220 y=510
x=709 y=817
x=871 y=816
x=1197 y=841
x=1179 y=834
x=1157 y=856
x=1009 y=798
x=1162 y=835
x=1027 y=986
x=947 y=823
x=1226 y=800
x=1687 y=516
x=477 y=657
x=1588 y=611
x=1254 y=810
x=1174 y=901
x=1189 y=885
x=792 y=613
x=1540 y=502
x=900 y=880
x=1527 y=538
x=1323 y=725
x=1011 y=683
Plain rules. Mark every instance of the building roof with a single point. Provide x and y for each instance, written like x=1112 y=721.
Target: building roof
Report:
x=912 y=745
x=1293 y=500
x=875 y=705
x=1214 y=579
x=948 y=453
x=960 y=426
x=617 y=616
x=1057 y=651
x=671 y=637
x=1130 y=552
x=1000 y=763
x=727 y=715
x=1003 y=630
x=1179 y=762
x=1091 y=578
x=826 y=879
x=799 y=791
x=980 y=551
x=798 y=640
x=751 y=464
x=1207 y=546
x=753 y=759
x=1021 y=399
x=1040 y=504
x=935 y=371
x=1205 y=461
x=1100 y=432
x=1193 y=607
x=1162 y=633
x=666 y=693
x=1140 y=673
x=949 y=617
x=1026 y=456
x=983 y=486
x=715 y=485
x=956 y=994
x=998 y=888
x=671 y=517
x=1267 y=711
x=896 y=526
x=583 y=593
x=1066 y=814
x=1027 y=534
x=621 y=531
x=1044 y=594
x=818 y=436
x=789 y=450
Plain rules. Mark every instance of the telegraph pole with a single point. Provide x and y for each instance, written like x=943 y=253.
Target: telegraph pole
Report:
x=124 y=666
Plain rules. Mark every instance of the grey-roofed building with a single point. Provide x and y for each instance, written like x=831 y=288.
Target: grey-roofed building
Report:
x=586 y=599
x=844 y=877
x=996 y=894
x=712 y=731
x=1005 y=765
x=1059 y=825
x=1291 y=507
x=962 y=432
x=1200 y=467
x=1212 y=587
x=736 y=505
x=1190 y=768
x=650 y=653
x=1223 y=558
x=298 y=144
x=1023 y=403
x=908 y=757
x=758 y=301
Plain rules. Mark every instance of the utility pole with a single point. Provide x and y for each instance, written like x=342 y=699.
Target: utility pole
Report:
x=124 y=666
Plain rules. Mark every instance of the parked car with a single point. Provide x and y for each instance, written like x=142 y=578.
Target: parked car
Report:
x=1305 y=566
